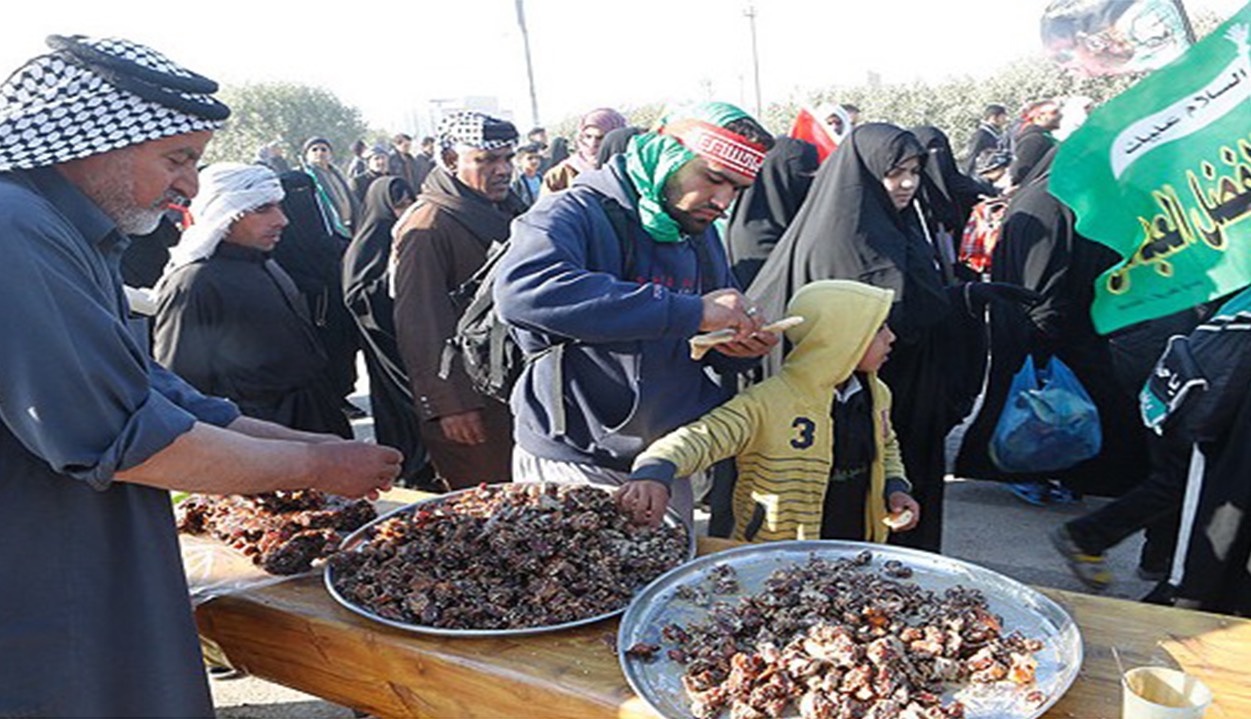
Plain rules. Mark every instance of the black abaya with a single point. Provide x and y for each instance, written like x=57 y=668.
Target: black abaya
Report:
x=312 y=255
x=766 y=208
x=368 y=298
x=1039 y=249
x=615 y=143
x=947 y=194
x=234 y=326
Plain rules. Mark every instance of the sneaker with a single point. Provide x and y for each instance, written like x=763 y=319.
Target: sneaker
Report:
x=1091 y=569
x=1035 y=493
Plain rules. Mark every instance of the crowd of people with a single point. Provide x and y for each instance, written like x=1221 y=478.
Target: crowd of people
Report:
x=598 y=265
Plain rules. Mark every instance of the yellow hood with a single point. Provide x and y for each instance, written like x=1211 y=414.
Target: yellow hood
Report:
x=841 y=318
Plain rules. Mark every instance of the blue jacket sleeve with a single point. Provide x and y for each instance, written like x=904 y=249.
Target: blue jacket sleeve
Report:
x=76 y=389
x=546 y=282
x=213 y=410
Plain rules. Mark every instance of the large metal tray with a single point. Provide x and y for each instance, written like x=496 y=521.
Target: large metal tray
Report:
x=355 y=540
x=658 y=681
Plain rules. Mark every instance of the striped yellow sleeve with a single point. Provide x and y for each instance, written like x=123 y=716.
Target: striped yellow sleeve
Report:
x=723 y=432
x=892 y=456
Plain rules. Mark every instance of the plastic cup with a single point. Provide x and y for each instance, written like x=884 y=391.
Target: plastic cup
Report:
x=1159 y=693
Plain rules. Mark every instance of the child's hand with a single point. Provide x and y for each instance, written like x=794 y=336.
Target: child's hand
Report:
x=644 y=501
x=902 y=505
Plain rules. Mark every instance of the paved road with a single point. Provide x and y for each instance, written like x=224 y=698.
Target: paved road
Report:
x=984 y=524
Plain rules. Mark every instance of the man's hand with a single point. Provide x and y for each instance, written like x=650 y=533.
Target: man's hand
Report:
x=353 y=469
x=758 y=344
x=644 y=501
x=464 y=427
x=899 y=503
x=730 y=309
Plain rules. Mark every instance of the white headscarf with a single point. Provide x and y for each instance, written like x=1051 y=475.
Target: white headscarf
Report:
x=228 y=190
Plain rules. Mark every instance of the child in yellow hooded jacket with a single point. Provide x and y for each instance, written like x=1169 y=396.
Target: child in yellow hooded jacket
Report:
x=801 y=473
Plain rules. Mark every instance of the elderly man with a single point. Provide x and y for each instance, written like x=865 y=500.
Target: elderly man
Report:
x=615 y=275
x=97 y=138
x=464 y=208
x=334 y=191
x=230 y=321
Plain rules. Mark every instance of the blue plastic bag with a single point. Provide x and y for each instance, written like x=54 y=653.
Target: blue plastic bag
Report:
x=1048 y=422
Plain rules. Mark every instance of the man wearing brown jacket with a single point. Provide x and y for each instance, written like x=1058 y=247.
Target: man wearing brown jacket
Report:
x=465 y=206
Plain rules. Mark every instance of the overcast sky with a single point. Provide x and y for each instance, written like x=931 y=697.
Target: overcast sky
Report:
x=392 y=57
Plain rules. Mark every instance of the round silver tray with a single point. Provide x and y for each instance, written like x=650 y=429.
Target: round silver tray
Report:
x=354 y=541
x=658 y=680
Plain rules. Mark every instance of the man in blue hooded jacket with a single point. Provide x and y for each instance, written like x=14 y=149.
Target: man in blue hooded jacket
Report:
x=606 y=318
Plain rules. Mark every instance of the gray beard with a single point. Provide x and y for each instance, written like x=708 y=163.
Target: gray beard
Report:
x=112 y=194
x=138 y=220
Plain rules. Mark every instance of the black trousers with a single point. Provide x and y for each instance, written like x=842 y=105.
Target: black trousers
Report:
x=1153 y=505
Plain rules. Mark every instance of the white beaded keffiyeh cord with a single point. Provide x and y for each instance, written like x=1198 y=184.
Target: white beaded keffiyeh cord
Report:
x=228 y=190
x=90 y=96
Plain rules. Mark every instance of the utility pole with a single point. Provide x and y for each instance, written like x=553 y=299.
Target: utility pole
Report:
x=750 y=14
x=525 y=39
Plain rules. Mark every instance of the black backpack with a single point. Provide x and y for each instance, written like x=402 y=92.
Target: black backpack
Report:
x=489 y=355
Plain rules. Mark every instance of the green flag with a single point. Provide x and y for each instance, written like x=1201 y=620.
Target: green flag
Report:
x=1162 y=175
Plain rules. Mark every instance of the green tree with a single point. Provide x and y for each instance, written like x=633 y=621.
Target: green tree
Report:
x=289 y=113
x=956 y=105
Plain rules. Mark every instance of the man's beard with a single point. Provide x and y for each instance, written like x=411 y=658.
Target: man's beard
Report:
x=114 y=193
x=136 y=221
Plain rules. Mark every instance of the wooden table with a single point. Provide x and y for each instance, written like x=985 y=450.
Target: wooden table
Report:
x=295 y=634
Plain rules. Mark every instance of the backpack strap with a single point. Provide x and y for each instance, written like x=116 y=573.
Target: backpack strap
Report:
x=707 y=274
x=621 y=228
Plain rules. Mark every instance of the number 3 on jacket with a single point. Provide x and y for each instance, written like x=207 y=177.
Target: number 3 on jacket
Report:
x=805 y=429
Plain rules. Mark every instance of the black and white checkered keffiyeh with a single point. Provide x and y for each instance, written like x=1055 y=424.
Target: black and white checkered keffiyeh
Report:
x=89 y=96
x=476 y=130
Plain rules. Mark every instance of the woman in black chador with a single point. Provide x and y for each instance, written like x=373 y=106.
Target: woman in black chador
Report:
x=862 y=222
x=368 y=298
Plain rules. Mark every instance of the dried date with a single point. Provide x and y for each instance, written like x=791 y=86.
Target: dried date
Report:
x=833 y=638
x=507 y=557
x=282 y=532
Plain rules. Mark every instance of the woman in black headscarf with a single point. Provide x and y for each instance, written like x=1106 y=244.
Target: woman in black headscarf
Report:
x=947 y=195
x=560 y=152
x=860 y=222
x=615 y=142
x=766 y=208
x=368 y=298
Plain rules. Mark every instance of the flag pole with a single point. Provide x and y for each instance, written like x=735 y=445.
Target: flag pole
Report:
x=1185 y=17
